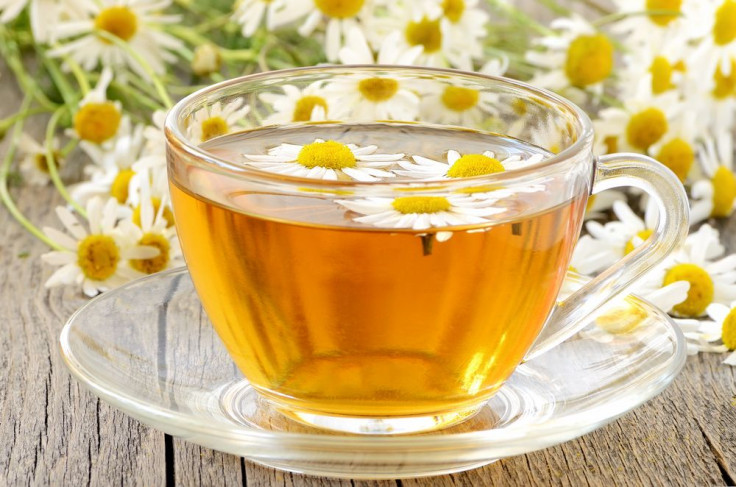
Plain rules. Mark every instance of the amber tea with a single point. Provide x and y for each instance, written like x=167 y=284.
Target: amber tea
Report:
x=329 y=314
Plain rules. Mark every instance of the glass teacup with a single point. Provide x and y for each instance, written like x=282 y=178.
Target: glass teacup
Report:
x=380 y=247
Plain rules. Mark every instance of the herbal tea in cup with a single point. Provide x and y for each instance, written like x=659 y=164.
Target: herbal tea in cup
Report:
x=380 y=265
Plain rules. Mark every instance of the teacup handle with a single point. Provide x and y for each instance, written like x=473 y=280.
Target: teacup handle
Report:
x=569 y=316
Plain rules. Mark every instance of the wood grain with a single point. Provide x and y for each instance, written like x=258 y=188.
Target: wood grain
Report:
x=54 y=432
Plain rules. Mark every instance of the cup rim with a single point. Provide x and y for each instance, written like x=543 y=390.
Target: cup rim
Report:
x=177 y=139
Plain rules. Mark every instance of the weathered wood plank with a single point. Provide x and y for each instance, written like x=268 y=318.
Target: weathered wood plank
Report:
x=52 y=430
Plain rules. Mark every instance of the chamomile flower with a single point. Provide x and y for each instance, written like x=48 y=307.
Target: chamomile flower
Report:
x=152 y=228
x=717 y=49
x=662 y=65
x=34 y=164
x=420 y=212
x=714 y=196
x=463 y=19
x=150 y=187
x=133 y=21
x=579 y=57
x=642 y=122
x=722 y=327
x=716 y=97
x=598 y=204
x=671 y=23
x=465 y=104
x=110 y=172
x=622 y=236
x=251 y=13
x=310 y=104
x=590 y=256
x=425 y=24
x=339 y=17
x=9 y=9
x=374 y=97
x=96 y=259
x=97 y=119
x=676 y=149
x=328 y=160
x=462 y=166
x=215 y=120
x=711 y=281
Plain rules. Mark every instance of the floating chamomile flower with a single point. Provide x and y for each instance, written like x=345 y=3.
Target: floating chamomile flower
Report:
x=97 y=119
x=310 y=104
x=462 y=166
x=135 y=22
x=251 y=13
x=711 y=281
x=715 y=196
x=642 y=122
x=420 y=212
x=374 y=97
x=579 y=57
x=328 y=160
x=722 y=327
x=215 y=120
x=34 y=163
x=94 y=259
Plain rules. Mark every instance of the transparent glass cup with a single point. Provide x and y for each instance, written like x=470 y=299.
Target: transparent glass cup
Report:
x=380 y=247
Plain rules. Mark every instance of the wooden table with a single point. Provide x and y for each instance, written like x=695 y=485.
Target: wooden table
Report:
x=55 y=432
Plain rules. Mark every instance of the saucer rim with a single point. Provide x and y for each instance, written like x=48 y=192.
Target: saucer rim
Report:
x=546 y=434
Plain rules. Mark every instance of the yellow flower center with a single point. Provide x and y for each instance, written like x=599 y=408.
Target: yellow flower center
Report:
x=42 y=163
x=519 y=106
x=700 y=294
x=425 y=33
x=646 y=127
x=154 y=264
x=459 y=99
x=305 y=106
x=724 y=192
x=97 y=122
x=661 y=70
x=642 y=236
x=156 y=203
x=214 y=127
x=329 y=154
x=339 y=8
x=677 y=155
x=119 y=21
x=119 y=186
x=728 y=330
x=724 y=29
x=725 y=85
x=589 y=60
x=663 y=20
x=471 y=165
x=378 y=89
x=420 y=204
x=453 y=9
x=98 y=257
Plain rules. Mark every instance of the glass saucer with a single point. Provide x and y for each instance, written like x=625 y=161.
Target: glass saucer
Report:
x=148 y=349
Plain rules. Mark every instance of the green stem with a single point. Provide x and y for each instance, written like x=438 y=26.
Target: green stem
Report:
x=62 y=84
x=521 y=17
x=70 y=146
x=158 y=85
x=28 y=84
x=5 y=170
x=554 y=7
x=79 y=75
x=8 y=122
x=51 y=161
x=615 y=17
